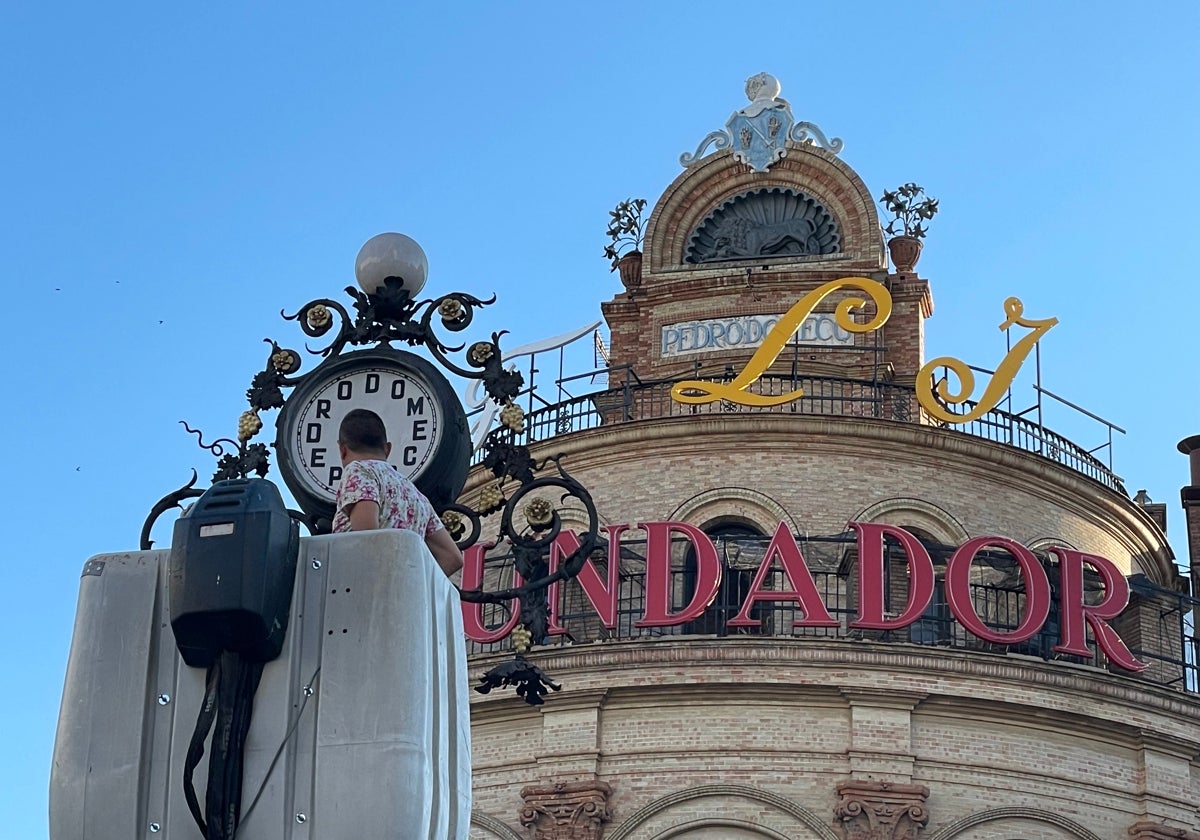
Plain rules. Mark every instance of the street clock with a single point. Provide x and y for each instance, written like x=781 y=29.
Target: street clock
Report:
x=426 y=425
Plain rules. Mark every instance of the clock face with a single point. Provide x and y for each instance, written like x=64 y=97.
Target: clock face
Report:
x=405 y=402
x=425 y=422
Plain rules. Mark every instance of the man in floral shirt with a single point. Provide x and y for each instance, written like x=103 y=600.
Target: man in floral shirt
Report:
x=374 y=495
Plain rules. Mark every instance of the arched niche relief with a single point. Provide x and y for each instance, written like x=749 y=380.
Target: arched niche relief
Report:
x=701 y=189
x=576 y=518
x=929 y=523
x=762 y=223
x=688 y=815
x=907 y=512
x=1023 y=823
x=739 y=521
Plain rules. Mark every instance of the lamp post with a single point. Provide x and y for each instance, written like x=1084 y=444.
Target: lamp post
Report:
x=435 y=450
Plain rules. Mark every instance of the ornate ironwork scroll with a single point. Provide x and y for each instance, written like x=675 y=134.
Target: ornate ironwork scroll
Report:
x=518 y=493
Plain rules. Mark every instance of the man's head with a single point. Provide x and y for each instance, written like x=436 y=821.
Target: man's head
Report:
x=363 y=435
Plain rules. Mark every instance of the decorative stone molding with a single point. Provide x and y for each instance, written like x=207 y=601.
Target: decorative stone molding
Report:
x=919 y=513
x=495 y=829
x=1153 y=831
x=1020 y=815
x=566 y=810
x=759 y=659
x=881 y=810
x=718 y=178
x=703 y=508
x=1044 y=543
x=722 y=798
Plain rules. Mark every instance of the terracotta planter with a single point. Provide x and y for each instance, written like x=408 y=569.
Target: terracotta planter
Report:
x=905 y=251
x=630 y=268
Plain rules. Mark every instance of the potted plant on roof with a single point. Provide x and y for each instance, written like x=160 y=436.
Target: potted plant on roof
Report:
x=625 y=230
x=910 y=209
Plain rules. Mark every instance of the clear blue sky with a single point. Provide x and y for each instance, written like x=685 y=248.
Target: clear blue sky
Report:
x=172 y=176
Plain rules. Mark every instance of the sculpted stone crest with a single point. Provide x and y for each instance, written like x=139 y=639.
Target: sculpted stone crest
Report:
x=759 y=132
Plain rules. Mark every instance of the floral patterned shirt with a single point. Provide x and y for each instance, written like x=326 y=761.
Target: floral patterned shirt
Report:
x=401 y=504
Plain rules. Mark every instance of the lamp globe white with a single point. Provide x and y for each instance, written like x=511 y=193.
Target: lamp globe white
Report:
x=391 y=255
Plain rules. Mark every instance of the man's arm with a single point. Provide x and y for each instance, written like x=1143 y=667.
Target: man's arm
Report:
x=444 y=551
x=364 y=515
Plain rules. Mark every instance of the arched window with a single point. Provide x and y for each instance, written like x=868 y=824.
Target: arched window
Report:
x=740 y=548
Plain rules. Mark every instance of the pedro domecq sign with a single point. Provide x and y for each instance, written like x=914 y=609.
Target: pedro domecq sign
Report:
x=715 y=334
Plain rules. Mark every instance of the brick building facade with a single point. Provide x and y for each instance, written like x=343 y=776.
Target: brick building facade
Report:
x=711 y=730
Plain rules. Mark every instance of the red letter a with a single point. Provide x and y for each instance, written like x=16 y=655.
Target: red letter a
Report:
x=804 y=588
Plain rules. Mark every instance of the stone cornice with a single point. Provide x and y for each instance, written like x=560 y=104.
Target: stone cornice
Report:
x=1053 y=688
x=904 y=285
x=882 y=698
x=1147 y=830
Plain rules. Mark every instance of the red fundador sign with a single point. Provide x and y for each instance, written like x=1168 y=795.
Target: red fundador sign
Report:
x=1075 y=616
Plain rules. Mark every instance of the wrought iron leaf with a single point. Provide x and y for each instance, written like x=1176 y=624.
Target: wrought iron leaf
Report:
x=503 y=385
x=256 y=460
x=506 y=459
x=229 y=466
x=393 y=300
x=529 y=680
x=264 y=391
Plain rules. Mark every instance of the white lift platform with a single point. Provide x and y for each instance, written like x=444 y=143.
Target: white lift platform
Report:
x=364 y=715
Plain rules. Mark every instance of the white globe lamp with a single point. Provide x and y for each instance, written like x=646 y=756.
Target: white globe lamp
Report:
x=391 y=255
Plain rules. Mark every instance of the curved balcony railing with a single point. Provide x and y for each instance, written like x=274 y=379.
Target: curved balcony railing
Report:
x=1161 y=620
x=828 y=396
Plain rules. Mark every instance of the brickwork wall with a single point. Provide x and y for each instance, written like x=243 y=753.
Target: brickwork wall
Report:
x=636 y=326
x=983 y=733
x=752 y=732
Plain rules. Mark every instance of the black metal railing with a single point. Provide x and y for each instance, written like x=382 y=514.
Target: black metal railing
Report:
x=634 y=400
x=1158 y=624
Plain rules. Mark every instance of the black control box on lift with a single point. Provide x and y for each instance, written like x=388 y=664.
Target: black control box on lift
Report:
x=231 y=572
